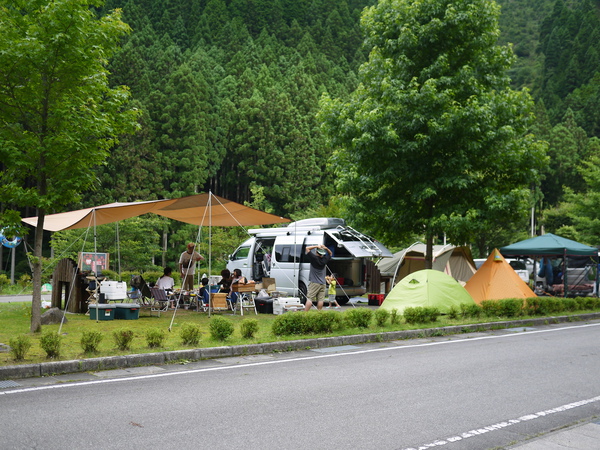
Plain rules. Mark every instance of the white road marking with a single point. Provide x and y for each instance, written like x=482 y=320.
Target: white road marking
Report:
x=500 y=425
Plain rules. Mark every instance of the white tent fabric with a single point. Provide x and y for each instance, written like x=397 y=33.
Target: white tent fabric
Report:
x=201 y=209
x=454 y=261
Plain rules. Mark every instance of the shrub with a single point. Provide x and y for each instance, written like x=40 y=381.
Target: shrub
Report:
x=490 y=308
x=395 y=317
x=4 y=281
x=358 y=317
x=421 y=314
x=90 y=339
x=322 y=321
x=220 y=328
x=123 y=338
x=470 y=310
x=19 y=346
x=290 y=323
x=381 y=316
x=453 y=313
x=248 y=328
x=155 y=337
x=190 y=334
x=587 y=302
x=112 y=275
x=510 y=307
x=50 y=343
x=25 y=280
x=569 y=304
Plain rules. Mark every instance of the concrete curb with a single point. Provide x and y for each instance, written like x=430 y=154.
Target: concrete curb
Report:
x=146 y=359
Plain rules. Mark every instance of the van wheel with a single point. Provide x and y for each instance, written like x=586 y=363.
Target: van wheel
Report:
x=303 y=291
x=342 y=300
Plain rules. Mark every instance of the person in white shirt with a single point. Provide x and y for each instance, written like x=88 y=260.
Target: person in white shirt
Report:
x=166 y=282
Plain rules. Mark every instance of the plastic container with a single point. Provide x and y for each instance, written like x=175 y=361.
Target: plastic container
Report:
x=127 y=311
x=104 y=311
x=376 y=299
x=114 y=290
x=264 y=305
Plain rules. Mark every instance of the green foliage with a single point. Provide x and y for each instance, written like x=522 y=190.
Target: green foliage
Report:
x=470 y=310
x=155 y=337
x=50 y=342
x=123 y=338
x=510 y=307
x=19 y=346
x=90 y=340
x=381 y=317
x=59 y=114
x=290 y=324
x=453 y=313
x=4 y=281
x=323 y=321
x=358 y=317
x=431 y=114
x=308 y=322
x=421 y=314
x=220 y=328
x=24 y=280
x=490 y=308
x=395 y=317
x=248 y=328
x=190 y=334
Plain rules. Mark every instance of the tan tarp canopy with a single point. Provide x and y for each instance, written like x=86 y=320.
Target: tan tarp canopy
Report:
x=201 y=209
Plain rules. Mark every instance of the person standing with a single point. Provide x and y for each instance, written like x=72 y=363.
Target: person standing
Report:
x=318 y=267
x=332 y=281
x=187 y=266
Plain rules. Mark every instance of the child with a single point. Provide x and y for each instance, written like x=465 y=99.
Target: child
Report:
x=331 y=281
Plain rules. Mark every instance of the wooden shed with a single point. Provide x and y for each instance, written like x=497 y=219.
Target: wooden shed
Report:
x=70 y=284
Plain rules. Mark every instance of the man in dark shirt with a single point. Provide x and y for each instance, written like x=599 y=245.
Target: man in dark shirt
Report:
x=318 y=268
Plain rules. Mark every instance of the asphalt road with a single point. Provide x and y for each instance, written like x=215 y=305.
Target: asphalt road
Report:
x=477 y=391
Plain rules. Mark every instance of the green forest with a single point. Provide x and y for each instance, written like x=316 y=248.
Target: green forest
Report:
x=229 y=93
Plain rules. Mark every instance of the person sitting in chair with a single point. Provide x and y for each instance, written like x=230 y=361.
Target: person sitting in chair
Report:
x=166 y=282
x=238 y=277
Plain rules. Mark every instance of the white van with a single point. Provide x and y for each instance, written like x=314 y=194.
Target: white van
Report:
x=279 y=253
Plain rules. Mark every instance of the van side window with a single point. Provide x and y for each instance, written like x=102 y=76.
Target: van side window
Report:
x=287 y=253
x=241 y=253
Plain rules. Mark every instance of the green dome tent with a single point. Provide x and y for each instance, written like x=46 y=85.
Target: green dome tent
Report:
x=430 y=288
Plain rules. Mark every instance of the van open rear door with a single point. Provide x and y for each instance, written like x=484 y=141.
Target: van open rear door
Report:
x=358 y=244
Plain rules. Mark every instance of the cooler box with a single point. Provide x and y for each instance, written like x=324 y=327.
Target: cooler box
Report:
x=127 y=311
x=264 y=305
x=105 y=311
x=287 y=304
x=376 y=299
x=114 y=290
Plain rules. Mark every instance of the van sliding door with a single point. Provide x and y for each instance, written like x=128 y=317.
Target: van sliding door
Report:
x=285 y=264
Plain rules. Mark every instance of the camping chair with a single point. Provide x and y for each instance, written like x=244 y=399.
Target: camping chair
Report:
x=138 y=282
x=218 y=302
x=160 y=301
x=245 y=297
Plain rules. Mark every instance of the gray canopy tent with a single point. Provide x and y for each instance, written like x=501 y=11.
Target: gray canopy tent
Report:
x=553 y=246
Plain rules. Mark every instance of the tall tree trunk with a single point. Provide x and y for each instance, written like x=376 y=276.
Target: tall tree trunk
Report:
x=429 y=250
x=36 y=302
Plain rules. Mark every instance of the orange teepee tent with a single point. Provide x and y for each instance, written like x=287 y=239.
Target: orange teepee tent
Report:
x=495 y=280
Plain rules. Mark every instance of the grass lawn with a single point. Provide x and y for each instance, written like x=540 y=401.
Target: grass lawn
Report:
x=15 y=320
